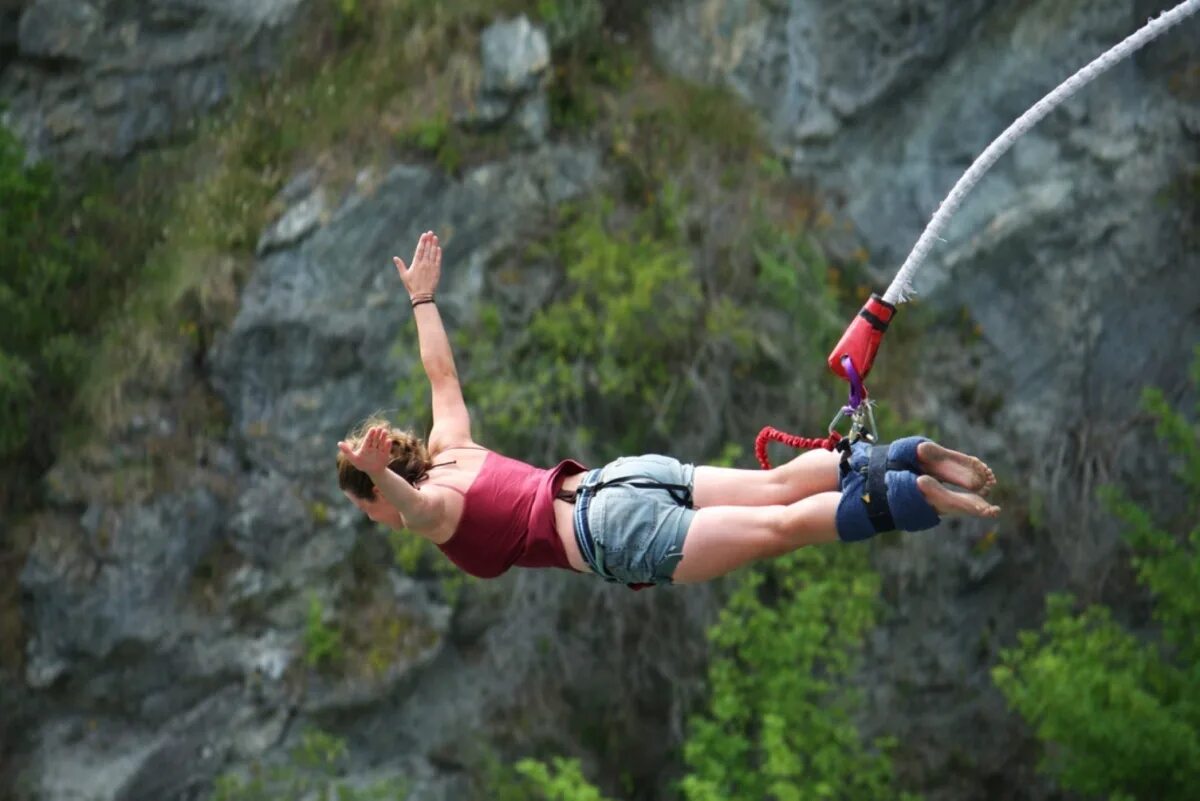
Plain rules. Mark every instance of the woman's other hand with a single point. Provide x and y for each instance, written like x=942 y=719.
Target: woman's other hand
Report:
x=422 y=278
x=374 y=454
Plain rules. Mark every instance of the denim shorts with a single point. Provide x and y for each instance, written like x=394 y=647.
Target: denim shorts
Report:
x=633 y=516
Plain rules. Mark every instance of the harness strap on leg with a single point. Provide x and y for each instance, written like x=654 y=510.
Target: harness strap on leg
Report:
x=878 y=510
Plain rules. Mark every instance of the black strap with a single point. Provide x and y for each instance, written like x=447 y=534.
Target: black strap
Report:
x=876 y=323
x=876 y=498
x=680 y=493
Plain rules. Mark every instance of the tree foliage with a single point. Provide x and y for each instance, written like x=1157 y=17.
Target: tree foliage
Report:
x=780 y=719
x=1119 y=713
x=40 y=350
x=312 y=772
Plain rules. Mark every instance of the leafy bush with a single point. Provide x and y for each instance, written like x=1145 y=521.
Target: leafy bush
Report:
x=313 y=771
x=585 y=60
x=1119 y=714
x=780 y=719
x=558 y=780
x=779 y=723
x=322 y=642
x=40 y=348
x=608 y=346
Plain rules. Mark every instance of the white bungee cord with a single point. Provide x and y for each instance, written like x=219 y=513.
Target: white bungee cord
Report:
x=901 y=286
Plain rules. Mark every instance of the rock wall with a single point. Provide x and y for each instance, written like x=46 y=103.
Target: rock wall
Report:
x=1074 y=259
x=106 y=77
x=167 y=612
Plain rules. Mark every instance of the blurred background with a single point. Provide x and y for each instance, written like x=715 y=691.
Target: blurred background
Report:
x=658 y=217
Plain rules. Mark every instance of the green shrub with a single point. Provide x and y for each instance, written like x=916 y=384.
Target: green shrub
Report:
x=1120 y=714
x=609 y=347
x=556 y=780
x=586 y=60
x=312 y=771
x=322 y=642
x=780 y=717
x=779 y=720
x=40 y=346
x=415 y=555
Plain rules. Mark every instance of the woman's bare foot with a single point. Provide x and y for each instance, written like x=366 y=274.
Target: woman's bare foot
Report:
x=955 y=468
x=949 y=503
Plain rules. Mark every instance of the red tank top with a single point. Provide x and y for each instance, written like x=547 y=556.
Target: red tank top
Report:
x=508 y=518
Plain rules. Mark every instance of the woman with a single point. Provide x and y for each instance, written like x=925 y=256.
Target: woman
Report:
x=637 y=521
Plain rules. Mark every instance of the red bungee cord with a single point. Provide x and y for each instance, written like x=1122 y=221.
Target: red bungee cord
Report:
x=769 y=434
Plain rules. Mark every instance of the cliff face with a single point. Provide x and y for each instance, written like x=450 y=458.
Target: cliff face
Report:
x=165 y=623
x=1075 y=257
x=106 y=77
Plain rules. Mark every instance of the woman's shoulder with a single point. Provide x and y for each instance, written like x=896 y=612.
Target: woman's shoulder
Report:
x=437 y=449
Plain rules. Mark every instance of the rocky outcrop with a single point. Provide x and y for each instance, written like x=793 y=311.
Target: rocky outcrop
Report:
x=516 y=63
x=173 y=626
x=180 y=570
x=1074 y=262
x=105 y=77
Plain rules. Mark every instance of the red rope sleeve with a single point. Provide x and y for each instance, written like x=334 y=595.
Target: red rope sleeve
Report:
x=805 y=443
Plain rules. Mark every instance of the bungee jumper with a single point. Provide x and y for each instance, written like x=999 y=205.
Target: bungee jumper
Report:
x=651 y=519
x=639 y=520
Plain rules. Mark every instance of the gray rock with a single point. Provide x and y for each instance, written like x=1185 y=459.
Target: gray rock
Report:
x=515 y=56
x=489 y=111
x=108 y=759
x=270 y=520
x=313 y=347
x=103 y=78
x=120 y=588
x=300 y=220
x=66 y=29
x=533 y=118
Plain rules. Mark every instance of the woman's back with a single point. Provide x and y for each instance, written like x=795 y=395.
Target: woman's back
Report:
x=506 y=515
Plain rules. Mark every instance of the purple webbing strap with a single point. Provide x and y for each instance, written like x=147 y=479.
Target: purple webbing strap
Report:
x=857 y=392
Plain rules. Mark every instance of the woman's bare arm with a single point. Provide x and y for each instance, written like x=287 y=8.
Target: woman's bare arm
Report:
x=421 y=510
x=451 y=420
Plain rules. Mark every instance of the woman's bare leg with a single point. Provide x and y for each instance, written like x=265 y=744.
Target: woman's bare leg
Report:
x=723 y=538
x=810 y=473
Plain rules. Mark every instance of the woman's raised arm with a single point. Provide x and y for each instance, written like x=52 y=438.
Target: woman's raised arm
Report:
x=451 y=421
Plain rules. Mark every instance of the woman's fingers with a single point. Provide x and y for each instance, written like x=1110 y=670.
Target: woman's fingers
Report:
x=428 y=250
x=378 y=438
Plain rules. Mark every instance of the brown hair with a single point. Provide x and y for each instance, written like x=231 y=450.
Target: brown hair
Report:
x=410 y=459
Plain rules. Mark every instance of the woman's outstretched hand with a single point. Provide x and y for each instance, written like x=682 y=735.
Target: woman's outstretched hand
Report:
x=375 y=452
x=422 y=278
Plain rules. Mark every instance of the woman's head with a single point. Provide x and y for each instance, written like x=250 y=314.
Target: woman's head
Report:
x=410 y=461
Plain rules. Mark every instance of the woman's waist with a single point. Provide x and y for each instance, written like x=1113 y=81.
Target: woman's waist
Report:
x=564 y=523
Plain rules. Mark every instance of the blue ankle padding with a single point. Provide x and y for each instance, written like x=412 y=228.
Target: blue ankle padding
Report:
x=910 y=510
